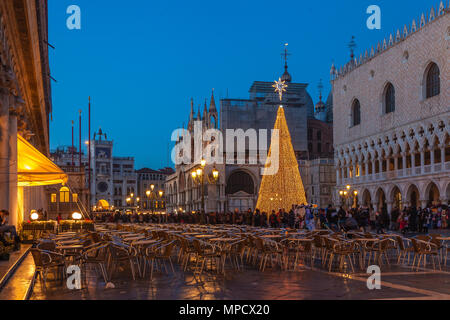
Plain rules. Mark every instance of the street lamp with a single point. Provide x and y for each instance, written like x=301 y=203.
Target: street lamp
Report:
x=198 y=176
x=346 y=193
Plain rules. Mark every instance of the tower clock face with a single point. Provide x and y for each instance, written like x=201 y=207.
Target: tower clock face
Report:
x=102 y=187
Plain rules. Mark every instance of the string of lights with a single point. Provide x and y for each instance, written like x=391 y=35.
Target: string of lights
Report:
x=285 y=188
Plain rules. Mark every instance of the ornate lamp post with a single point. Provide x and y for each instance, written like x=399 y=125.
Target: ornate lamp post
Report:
x=346 y=194
x=198 y=176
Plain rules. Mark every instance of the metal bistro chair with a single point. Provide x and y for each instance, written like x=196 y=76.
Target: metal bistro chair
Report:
x=45 y=260
x=121 y=253
x=403 y=250
x=98 y=256
x=422 y=249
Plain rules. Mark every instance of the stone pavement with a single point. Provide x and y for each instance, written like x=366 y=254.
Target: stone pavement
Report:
x=398 y=282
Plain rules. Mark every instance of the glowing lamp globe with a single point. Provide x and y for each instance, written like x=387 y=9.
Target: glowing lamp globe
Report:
x=76 y=216
x=34 y=216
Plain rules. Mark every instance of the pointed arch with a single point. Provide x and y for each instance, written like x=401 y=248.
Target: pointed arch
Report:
x=432 y=80
x=388 y=98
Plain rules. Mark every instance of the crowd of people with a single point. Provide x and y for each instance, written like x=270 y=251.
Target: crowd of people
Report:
x=408 y=219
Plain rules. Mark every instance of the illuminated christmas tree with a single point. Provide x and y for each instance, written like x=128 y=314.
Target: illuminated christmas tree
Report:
x=284 y=188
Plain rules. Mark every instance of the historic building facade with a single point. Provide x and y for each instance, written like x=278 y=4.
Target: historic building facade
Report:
x=115 y=184
x=151 y=189
x=25 y=93
x=238 y=184
x=74 y=195
x=182 y=191
x=392 y=117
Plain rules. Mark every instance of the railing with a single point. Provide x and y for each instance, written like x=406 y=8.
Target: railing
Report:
x=401 y=173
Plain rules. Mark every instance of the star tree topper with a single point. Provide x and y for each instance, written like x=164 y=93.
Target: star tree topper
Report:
x=280 y=87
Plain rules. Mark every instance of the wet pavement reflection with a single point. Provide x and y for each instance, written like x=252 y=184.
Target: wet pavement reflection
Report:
x=398 y=282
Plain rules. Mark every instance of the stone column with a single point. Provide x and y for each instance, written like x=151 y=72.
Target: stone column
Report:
x=404 y=162
x=338 y=176
x=422 y=159
x=13 y=205
x=380 y=165
x=4 y=149
x=432 y=159
x=395 y=163
x=366 y=164
x=443 y=156
x=373 y=169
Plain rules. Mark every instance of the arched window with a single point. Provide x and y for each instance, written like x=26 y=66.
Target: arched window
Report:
x=64 y=194
x=240 y=181
x=433 y=81
x=356 y=113
x=389 y=99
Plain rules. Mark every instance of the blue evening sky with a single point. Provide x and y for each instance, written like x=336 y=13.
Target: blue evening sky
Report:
x=142 y=60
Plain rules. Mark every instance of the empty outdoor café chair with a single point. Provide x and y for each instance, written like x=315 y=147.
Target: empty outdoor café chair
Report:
x=379 y=250
x=343 y=250
x=46 y=260
x=206 y=252
x=98 y=256
x=403 y=250
x=422 y=250
x=121 y=253
x=163 y=254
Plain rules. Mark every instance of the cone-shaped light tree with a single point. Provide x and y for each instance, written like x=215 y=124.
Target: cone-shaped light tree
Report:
x=284 y=188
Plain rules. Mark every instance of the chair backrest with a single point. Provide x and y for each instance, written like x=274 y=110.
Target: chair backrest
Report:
x=423 y=238
x=37 y=257
x=95 y=237
x=197 y=246
x=317 y=241
x=259 y=244
x=168 y=249
x=400 y=243
x=384 y=244
x=47 y=245
x=416 y=245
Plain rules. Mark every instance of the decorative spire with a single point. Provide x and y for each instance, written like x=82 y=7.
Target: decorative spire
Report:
x=212 y=105
x=191 y=117
x=320 y=106
x=352 y=46
x=199 y=116
x=320 y=87
x=205 y=110
x=286 y=76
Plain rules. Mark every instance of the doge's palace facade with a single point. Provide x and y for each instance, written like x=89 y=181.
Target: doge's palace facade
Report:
x=392 y=117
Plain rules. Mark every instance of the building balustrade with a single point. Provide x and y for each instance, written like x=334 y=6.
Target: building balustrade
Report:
x=395 y=174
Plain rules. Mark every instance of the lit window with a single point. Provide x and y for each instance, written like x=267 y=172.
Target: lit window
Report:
x=75 y=197
x=53 y=199
x=64 y=194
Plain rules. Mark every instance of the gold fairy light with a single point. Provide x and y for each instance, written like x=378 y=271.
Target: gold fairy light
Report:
x=280 y=87
x=285 y=188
